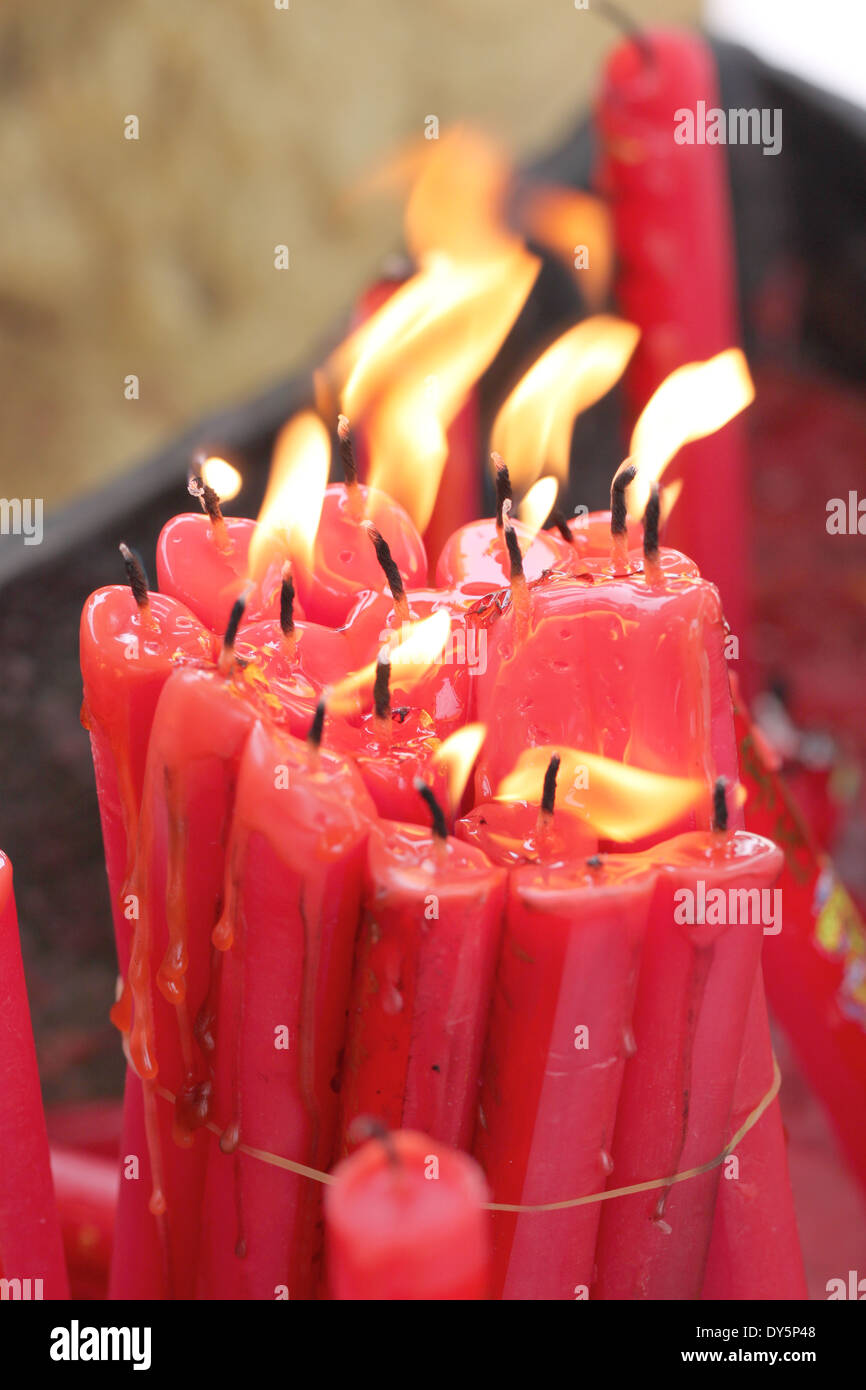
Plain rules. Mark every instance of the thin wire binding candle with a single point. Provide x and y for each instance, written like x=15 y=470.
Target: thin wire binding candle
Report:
x=422 y=982
x=559 y=1035
x=700 y=960
x=286 y=933
x=405 y=1222
x=31 y=1253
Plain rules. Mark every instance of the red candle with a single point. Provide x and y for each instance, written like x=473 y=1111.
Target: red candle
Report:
x=557 y=1044
x=292 y=885
x=528 y=832
x=754 y=1248
x=86 y=1186
x=31 y=1253
x=205 y=566
x=422 y=983
x=674 y=1114
x=405 y=1221
x=676 y=278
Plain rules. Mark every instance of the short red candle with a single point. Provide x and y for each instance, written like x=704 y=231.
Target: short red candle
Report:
x=423 y=979
x=409 y=1227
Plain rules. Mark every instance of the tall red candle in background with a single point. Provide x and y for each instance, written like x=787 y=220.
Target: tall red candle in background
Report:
x=556 y=1048
x=292 y=887
x=696 y=981
x=30 y=1245
x=676 y=274
x=422 y=983
x=405 y=1221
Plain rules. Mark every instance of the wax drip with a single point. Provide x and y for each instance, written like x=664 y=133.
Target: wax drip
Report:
x=227 y=655
x=699 y=974
x=287 y=611
x=619 y=516
x=354 y=495
x=157 y=1204
x=503 y=488
x=440 y=829
x=382 y=690
x=210 y=505
x=391 y=572
x=557 y=521
x=651 y=519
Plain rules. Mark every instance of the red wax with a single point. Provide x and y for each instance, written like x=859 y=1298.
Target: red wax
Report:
x=755 y=1248
x=677 y=1097
x=30 y=1245
x=557 y=1044
x=512 y=833
x=201 y=724
x=422 y=984
x=676 y=281
x=613 y=665
x=86 y=1186
x=475 y=560
x=443 y=689
x=294 y=864
x=390 y=755
x=344 y=562
x=295 y=671
x=591 y=533
x=408 y=1228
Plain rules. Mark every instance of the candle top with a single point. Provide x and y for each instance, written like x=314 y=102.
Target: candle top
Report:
x=409 y=857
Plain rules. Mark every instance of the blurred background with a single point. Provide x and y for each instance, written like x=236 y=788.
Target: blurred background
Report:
x=261 y=127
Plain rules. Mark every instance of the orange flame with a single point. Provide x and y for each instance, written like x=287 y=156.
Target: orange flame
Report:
x=420 y=647
x=576 y=227
x=694 y=401
x=458 y=754
x=619 y=802
x=290 y=513
x=533 y=428
x=538 y=504
x=222 y=476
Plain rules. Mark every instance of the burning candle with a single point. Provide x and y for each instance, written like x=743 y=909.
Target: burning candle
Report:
x=697 y=974
x=290 y=908
x=405 y=1221
x=31 y=1253
x=423 y=978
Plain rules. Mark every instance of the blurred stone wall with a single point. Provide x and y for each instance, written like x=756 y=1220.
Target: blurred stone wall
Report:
x=155 y=256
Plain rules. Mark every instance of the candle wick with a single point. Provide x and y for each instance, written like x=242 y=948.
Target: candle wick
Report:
x=619 y=515
x=227 y=655
x=627 y=26
x=548 y=793
x=314 y=737
x=365 y=1127
x=720 y=805
x=391 y=571
x=557 y=521
x=651 y=535
x=440 y=829
x=211 y=506
x=504 y=494
x=382 y=687
x=287 y=609
x=350 y=468
x=137 y=576
x=519 y=590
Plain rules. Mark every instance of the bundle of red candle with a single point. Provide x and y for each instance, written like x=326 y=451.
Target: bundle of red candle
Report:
x=304 y=948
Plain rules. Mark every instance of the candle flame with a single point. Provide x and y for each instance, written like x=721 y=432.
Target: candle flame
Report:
x=419 y=647
x=222 y=476
x=576 y=227
x=457 y=754
x=289 y=517
x=617 y=801
x=538 y=504
x=694 y=401
x=533 y=428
